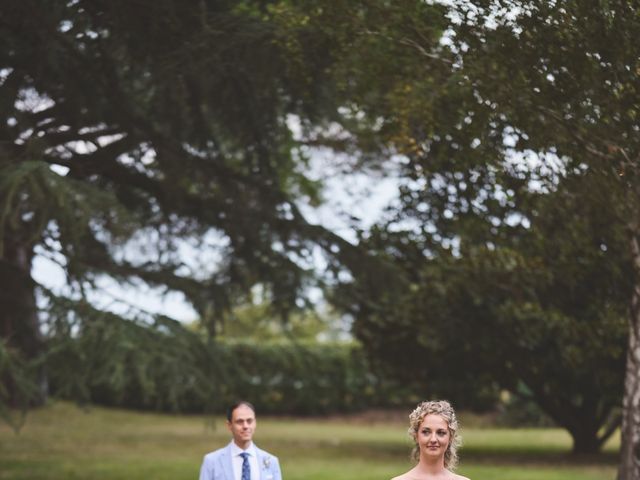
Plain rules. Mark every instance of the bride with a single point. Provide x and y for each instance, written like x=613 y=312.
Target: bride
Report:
x=434 y=429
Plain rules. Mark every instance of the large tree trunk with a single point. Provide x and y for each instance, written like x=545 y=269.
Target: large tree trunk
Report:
x=585 y=445
x=585 y=437
x=630 y=448
x=19 y=325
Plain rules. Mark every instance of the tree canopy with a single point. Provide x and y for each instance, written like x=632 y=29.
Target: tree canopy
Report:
x=132 y=129
x=508 y=120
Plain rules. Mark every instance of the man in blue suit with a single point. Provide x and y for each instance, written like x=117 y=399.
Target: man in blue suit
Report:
x=241 y=459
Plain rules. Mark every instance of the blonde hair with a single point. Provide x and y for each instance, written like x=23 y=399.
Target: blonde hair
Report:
x=445 y=410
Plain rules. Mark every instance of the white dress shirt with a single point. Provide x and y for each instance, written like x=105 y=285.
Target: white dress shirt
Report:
x=237 y=461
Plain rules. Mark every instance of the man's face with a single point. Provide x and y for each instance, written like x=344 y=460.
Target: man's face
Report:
x=242 y=425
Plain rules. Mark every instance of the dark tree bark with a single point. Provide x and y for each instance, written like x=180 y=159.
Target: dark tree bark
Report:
x=19 y=324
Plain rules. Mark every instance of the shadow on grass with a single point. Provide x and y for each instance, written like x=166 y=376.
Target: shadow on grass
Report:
x=536 y=457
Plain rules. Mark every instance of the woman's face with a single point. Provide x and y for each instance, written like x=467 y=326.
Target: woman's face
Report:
x=433 y=436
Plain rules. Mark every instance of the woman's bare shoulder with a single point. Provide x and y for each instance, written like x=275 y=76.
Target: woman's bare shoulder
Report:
x=404 y=476
x=410 y=475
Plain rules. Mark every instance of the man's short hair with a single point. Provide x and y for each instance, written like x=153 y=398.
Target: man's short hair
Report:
x=236 y=405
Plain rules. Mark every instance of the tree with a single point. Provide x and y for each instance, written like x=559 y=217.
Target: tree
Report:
x=555 y=84
x=130 y=130
x=571 y=88
x=541 y=306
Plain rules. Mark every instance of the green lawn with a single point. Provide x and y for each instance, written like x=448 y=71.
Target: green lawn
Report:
x=62 y=442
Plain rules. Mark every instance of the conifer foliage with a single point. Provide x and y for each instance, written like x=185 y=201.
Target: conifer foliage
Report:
x=129 y=131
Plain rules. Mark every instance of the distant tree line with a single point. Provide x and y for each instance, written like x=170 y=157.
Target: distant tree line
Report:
x=181 y=372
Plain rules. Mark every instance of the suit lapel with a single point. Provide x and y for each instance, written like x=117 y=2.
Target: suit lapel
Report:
x=260 y=458
x=227 y=464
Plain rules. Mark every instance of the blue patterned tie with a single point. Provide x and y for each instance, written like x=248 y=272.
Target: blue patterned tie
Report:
x=246 y=469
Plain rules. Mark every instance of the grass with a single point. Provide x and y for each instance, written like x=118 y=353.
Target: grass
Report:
x=62 y=441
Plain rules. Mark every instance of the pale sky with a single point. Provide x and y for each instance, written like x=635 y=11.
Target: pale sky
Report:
x=358 y=194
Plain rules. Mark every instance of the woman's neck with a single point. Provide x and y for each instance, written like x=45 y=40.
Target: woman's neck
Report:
x=431 y=466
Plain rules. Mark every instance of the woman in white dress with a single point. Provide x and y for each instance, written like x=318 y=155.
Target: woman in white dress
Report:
x=433 y=426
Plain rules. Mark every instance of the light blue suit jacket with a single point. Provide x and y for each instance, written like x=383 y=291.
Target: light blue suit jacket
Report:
x=218 y=465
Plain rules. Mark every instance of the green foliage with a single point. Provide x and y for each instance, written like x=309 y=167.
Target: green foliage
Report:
x=31 y=189
x=121 y=362
x=518 y=192
x=17 y=382
x=307 y=378
x=534 y=304
x=129 y=133
x=179 y=120
x=168 y=368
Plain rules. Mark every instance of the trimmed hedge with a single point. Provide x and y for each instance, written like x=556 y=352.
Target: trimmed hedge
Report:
x=307 y=378
x=165 y=367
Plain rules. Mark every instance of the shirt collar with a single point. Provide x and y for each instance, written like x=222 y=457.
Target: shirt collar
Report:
x=236 y=450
